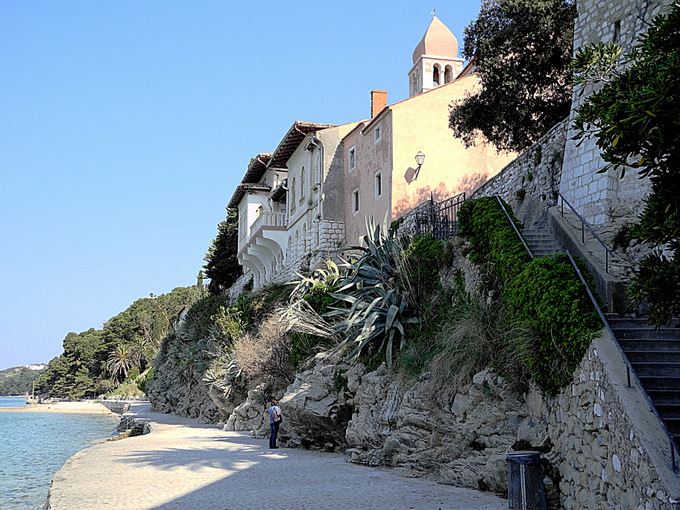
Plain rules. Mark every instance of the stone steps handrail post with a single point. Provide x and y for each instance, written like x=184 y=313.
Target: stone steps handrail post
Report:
x=584 y=225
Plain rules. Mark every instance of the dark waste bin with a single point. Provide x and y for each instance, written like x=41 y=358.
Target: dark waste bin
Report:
x=525 y=481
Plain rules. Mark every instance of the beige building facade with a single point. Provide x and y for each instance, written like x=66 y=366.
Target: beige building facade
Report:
x=382 y=178
x=311 y=197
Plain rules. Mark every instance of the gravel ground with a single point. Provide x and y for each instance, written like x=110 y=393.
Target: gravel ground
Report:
x=184 y=465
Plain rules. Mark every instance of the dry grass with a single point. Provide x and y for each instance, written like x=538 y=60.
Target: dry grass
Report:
x=267 y=352
x=478 y=337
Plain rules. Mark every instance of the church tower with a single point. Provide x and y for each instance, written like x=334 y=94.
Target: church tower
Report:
x=435 y=59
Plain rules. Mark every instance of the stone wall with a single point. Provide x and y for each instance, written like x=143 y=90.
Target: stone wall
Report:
x=408 y=226
x=602 y=197
x=608 y=446
x=529 y=182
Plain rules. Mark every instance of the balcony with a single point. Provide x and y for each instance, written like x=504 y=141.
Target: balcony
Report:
x=268 y=219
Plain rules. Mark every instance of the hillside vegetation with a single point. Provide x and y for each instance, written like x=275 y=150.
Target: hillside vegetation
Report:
x=96 y=362
x=17 y=381
x=418 y=305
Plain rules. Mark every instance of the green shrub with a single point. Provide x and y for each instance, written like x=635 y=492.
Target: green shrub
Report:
x=548 y=297
x=493 y=241
x=543 y=294
x=421 y=261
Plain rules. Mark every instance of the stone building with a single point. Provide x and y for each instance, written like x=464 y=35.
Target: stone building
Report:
x=290 y=204
x=382 y=177
x=311 y=196
x=603 y=198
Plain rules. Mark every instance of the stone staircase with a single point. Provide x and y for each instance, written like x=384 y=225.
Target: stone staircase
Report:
x=655 y=357
x=541 y=242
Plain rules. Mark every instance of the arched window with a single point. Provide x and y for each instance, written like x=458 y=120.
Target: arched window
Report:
x=435 y=75
x=304 y=238
x=302 y=183
x=292 y=196
x=448 y=74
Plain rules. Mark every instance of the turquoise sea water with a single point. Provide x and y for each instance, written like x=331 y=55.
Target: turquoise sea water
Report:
x=34 y=446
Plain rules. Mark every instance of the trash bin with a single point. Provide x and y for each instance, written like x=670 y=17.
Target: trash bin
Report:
x=525 y=481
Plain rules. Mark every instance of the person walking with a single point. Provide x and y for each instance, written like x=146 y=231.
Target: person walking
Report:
x=275 y=419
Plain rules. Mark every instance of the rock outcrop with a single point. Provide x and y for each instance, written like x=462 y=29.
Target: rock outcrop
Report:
x=462 y=444
x=317 y=406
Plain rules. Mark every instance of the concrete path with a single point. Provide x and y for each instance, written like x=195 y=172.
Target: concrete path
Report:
x=184 y=465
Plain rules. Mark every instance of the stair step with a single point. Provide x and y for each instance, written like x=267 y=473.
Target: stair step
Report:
x=664 y=397
x=634 y=322
x=673 y=426
x=657 y=370
x=669 y=411
x=643 y=333
x=653 y=355
x=652 y=384
x=648 y=344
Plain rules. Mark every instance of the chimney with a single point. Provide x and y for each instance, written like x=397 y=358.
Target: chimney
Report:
x=378 y=101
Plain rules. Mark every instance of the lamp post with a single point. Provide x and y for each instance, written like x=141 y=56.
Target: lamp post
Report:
x=420 y=159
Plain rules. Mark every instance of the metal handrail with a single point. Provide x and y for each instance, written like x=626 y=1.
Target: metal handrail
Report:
x=630 y=372
x=585 y=224
x=512 y=223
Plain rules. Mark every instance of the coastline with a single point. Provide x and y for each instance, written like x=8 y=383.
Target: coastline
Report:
x=61 y=407
x=192 y=465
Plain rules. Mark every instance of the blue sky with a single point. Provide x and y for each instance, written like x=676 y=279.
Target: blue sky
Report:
x=125 y=127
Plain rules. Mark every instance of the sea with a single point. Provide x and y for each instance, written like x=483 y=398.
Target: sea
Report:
x=34 y=446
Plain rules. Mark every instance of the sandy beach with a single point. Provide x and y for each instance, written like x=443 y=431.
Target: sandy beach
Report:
x=184 y=465
x=60 y=407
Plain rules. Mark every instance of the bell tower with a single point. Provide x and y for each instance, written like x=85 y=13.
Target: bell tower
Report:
x=435 y=59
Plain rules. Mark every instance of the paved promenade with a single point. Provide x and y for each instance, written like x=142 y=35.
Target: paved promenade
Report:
x=184 y=465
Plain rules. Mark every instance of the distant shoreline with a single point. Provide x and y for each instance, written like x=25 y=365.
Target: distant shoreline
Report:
x=61 y=407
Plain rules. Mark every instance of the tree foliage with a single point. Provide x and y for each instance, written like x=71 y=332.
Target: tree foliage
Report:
x=522 y=49
x=635 y=120
x=17 y=380
x=221 y=264
x=94 y=361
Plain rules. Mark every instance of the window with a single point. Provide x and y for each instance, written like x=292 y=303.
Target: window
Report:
x=376 y=134
x=378 y=184
x=318 y=167
x=355 y=202
x=292 y=196
x=617 y=31
x=302 y=185
x=352 y=159
x=448 y=74
x=435 y=75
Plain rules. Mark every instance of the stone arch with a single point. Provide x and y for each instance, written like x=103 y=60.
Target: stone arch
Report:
x=448 y=74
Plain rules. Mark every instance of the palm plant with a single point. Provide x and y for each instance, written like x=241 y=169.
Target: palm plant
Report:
x=376 y=309
x=121 y=359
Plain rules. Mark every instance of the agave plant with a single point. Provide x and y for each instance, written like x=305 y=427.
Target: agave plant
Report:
x=375 y=310
x=329 y=277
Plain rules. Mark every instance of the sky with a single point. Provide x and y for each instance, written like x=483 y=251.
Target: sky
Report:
x=126 y=126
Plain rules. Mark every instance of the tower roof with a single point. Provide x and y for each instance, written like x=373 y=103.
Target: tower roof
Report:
x=437 y=41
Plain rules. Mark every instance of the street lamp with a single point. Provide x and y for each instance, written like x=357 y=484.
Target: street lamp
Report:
x=420 y=159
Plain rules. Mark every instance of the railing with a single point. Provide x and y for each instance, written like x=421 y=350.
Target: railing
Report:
x=268 y=219
x=514 y=227
x=630 y=373
x=584 y=225
x=441 y=220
